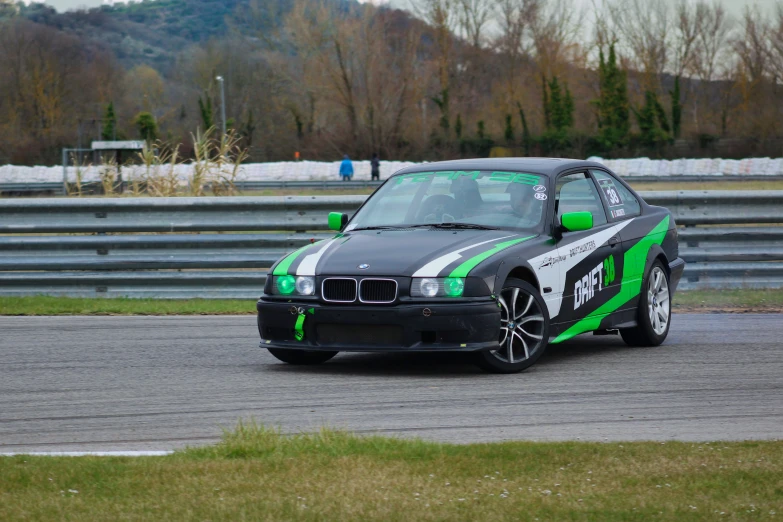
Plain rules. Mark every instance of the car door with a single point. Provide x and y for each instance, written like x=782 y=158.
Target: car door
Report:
x=587 y=256
x=624 y=209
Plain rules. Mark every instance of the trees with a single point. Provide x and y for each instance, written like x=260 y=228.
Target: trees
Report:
x=146 y=126
x=109 y=130
x=612 y=103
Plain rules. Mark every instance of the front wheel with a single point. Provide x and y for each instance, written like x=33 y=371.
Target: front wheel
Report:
x=301 y=357
x=524 y=329
x=654 y=315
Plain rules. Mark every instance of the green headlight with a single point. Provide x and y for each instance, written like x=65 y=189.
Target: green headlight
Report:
x=453 y=286
x=286 y=284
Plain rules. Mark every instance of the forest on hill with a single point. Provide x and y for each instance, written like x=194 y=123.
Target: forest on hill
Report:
x=449 y=78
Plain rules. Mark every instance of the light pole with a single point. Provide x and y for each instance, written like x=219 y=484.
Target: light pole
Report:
x=222 y=103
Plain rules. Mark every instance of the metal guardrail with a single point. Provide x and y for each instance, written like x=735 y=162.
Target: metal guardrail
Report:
x=56 y=188
x=174 y=248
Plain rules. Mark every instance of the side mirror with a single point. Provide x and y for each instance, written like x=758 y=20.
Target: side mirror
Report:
x=576 y=221
x=337 y=221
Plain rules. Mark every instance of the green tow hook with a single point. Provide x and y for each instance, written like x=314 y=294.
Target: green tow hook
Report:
x=300 y=320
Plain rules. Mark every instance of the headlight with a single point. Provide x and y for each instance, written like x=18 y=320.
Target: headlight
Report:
x=437 y=287
x=291 y=285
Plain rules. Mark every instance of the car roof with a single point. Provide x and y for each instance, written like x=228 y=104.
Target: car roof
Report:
x=542 y=166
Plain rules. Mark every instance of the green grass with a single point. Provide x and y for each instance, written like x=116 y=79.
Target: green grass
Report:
x=258 y=474
x=643 y=186
x=691 y=301
x=47 y=305
x=729 y=300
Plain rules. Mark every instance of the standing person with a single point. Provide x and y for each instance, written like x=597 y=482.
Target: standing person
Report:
x=375 y=166
x=346 y=168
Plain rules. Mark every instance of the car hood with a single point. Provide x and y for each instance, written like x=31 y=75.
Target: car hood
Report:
x=404 y=252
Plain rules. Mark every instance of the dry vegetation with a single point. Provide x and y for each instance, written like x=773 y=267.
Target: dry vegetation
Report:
x=258 y=474
x=451 y=78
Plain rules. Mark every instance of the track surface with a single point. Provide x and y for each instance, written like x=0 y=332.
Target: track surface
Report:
x=156 y=383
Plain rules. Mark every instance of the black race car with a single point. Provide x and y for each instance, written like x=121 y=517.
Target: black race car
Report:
x=497 y=257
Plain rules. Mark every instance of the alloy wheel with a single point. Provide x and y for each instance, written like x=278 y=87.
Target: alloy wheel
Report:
x=658 y=301
x=521 y=326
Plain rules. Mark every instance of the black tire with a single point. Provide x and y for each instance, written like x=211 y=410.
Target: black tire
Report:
x=534 y=313
x=301 y=357
x=649 y=331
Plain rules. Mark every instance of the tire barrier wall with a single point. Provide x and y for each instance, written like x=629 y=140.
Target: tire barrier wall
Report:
x=221 y=247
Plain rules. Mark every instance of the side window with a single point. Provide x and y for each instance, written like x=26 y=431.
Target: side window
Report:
x=577 y=193
x=619 y=199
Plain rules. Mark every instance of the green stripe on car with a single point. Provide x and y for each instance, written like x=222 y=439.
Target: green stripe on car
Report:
x=285 y=264
x=634 y=263
x=463 y=269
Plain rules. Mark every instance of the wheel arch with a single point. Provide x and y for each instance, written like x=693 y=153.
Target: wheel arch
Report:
x=520 y=271
x=656 y=253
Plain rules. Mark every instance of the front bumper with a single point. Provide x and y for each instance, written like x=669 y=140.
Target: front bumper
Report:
x=422 y=327
x=676 y=268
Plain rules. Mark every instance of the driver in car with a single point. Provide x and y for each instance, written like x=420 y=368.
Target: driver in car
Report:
x=524 y=205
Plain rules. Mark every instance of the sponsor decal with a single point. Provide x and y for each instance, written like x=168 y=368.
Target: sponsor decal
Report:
x=540 y=196
x=593 y=282
x=539 y=188
x=609 y=270
x=551 y=261
x=618 y=212
x=508 y=177
x=610 y=191
x=585 y=288
x=581 y=249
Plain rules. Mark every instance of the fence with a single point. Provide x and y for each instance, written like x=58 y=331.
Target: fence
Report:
x=220 y=247
x=58 y=188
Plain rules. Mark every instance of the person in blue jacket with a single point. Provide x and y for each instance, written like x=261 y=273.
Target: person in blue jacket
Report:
x=346 y=168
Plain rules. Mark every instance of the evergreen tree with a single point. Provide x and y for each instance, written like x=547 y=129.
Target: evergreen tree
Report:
x=676 y=108
x=613 y=107
x=147 y=126
x=480 y=130
x=652 y=121
x=568 y=108
x=458 y=127
x=545 y=94
x=561 y=106
x=525 y=130
x=205 y=109
x=109 y=130
x=442 y=102
x=508 y=132
x=556 y=115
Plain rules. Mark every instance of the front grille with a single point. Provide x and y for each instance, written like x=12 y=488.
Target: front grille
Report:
x=339 y=290
x=360 y=334
x=378 y=290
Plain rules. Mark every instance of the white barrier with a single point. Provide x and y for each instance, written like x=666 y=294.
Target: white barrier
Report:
x=320 y=171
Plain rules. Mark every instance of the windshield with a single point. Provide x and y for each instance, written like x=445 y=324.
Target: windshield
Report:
x=486 y=199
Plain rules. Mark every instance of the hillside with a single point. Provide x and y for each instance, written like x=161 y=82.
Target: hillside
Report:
x=155 y=32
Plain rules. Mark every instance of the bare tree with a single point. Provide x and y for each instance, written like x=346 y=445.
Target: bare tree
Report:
x=776 y=43
x=513 y=43
x=686 y=33
x=645 y=29
x=714 y=31
x=751 y=45
x=474 y=15
x=555 y=27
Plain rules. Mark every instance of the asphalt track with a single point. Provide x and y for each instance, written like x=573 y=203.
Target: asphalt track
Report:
x=157 y=383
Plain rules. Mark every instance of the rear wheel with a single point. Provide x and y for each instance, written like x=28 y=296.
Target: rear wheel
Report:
x=301 y=357
x=524 y=329
x=654 y=315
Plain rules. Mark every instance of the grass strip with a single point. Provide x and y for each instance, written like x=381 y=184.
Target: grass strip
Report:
x=733 y=300
x=256 y=473
x=49 y=305
x=691 y=301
